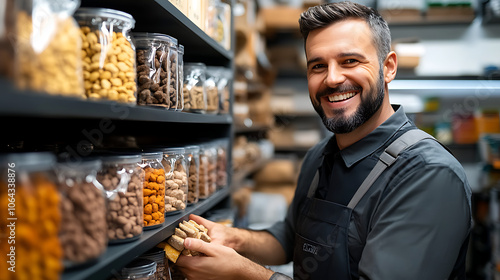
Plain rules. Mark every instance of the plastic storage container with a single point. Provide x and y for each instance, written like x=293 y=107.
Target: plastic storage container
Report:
x=176 y=187
x=48 y=48
x=158 y=255
x=213 y=98
x=195 y=97
x=122 y=181
x=180 y=76
x=222 y=146
x=139 y=269
x=173 y=82
x=223 y=85
x=208 y=169
x=193 y=166
x=153 y=69
x=154 y=189
x=108 y=54
x=29 y=192
x=83 y=225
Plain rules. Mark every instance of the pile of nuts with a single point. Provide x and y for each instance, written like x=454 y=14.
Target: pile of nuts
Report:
x=212 y=99
x=193 y=180
x=154 y=196
x=53 y=67
x=83 y=226
x=194 y=98
x=176 y=188
x=221 y=167
x=173 y=82
x=150 y=91
x=38 y=252
x=125 y=214
x=108 y=66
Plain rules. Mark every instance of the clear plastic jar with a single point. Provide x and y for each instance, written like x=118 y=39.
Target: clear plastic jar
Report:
x=212 y=77
x=173 y=66
x=122 y=181
x=208 y=170
x=180 y=76
x=83 y=207
x=154 y=189
x=153 y=69
x=176 y=187
x=158 y=255
x=222 y=147
x=223 y=85
x=139 y=269
x=48 y=48
x=193 y=166
x=108 y=54
x=195 y=97
x=28 y=189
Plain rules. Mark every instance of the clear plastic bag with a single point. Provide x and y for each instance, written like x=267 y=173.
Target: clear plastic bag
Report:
x=48 y=56
x=195 y=97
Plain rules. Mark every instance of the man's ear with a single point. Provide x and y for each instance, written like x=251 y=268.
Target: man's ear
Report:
x=390 y=67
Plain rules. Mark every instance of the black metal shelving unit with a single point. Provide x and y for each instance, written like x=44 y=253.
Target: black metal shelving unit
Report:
x=34 y=119
x=116 y=256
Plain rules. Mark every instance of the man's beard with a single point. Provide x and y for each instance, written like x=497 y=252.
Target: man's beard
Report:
x=370 y=103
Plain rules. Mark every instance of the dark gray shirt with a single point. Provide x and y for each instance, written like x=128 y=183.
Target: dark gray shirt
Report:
x=414 y=221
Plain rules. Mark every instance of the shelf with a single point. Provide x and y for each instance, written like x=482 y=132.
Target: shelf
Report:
x=14 y=102
x=162 y=17
x=119 y=255
x=447 y=88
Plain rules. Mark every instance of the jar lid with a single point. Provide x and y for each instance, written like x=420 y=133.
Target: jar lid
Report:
x=139 y=266
x=174 y=150
x=152 y=155
x=124 y=159
x=192 y=148
x=195 y=65
x=80 y=165
x=147 y=36
x=105 y=13
x=36 y=161
x=173 y=41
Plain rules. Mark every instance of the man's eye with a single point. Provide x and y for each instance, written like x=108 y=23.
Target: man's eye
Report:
x=350 y=61
x=317 y=66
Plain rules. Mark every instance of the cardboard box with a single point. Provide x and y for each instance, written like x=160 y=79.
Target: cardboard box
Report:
x=196 y=12
x=181 y=5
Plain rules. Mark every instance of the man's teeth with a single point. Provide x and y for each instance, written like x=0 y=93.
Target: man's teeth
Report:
x=341 y=97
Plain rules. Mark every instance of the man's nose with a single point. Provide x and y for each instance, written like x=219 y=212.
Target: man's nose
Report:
x=334 y=76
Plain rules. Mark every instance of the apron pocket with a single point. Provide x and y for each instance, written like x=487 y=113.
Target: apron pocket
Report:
x=311 y=258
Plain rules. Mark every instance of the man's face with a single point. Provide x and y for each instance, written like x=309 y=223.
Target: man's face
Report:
x=346 y=83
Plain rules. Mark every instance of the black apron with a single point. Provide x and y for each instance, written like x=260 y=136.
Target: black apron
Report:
x=321 y=249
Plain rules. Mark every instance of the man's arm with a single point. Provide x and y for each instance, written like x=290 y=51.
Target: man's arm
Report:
x=418 y=229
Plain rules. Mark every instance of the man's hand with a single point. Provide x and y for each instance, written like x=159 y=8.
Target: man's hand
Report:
x=219 y=234
x=218 y=262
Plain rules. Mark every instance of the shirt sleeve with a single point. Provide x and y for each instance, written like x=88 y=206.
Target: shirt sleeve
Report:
x=284 y=231
x=419 y=228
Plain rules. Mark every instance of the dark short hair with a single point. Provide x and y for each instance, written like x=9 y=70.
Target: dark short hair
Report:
x=326 y=14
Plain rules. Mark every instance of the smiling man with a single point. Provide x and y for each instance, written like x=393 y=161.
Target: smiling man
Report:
x=380 y=199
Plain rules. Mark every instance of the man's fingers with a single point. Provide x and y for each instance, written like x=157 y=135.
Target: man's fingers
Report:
x=199 y=220
x=198 y=246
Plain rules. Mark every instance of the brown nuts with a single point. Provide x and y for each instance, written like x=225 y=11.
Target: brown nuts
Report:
x=124 y=215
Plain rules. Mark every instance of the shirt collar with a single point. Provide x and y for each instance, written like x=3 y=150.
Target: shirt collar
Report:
x=373 y=141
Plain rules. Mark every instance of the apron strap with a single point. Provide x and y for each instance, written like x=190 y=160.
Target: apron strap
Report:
x=386 y=159
x=314 y=185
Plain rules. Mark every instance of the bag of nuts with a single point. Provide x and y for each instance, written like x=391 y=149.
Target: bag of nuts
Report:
x=176 y=187
x=122 y=179
x=108 y=54
x=49 y=48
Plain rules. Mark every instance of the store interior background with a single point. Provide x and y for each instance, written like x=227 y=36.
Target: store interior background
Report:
x=449 y=67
